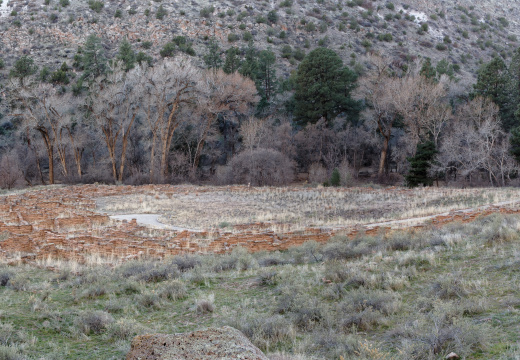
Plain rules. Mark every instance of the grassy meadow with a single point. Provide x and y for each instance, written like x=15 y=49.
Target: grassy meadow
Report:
x=404 y=295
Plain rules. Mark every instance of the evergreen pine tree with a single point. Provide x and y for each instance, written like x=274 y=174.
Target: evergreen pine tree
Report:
x=427 y=70
x=323 y=87
x=515 y=143
x=212 y=58
x=94 y=60
x=23 y=68
x=420 y=164
x=266 y=82
x=335 y=178
x=126 y=55
x=232 y=63
x=493 y=81
x=249 y=67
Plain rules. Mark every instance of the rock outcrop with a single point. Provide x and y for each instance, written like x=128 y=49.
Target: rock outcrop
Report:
x=210 y=344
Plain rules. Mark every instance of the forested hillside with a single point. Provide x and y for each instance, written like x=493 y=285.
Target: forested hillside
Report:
x=263 y=92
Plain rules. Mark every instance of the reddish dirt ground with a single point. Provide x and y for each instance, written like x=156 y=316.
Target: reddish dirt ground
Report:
x=63 y=223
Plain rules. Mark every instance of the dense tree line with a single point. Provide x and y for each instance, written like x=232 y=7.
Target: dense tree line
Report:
x=132 y=119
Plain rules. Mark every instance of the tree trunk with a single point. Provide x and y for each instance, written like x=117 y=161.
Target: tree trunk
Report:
x=201 y=144
x=123 y=152
x=382 y=160
x=152 y=158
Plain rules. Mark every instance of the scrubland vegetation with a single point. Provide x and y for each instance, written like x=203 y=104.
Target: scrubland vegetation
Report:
x=403 y=295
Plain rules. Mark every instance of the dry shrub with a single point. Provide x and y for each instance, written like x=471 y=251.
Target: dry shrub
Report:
x=366 y=320
x=181 y=169
x=10 y=172
x=205 y=305
x=271 y=259
x=5 y=276
x=173 y=290
x=124 y=329
x=317 y=173
x=440 y=331
x=259 y=167
x=264 y=331
x=500 y=229
x=10 y=336
x=93 y=291
x=11 y=353
x=186 y=262
x=149 y=300
x=331 y=344
x=449 y=287
x=239 y=259
x=340 y=247
x=385 y=302
x=93 y=321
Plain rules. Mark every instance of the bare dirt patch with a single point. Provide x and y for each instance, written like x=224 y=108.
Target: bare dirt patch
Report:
x=74 y=222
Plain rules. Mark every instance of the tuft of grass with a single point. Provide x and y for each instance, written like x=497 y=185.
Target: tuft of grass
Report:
x=173 y=290
x=206 y=304
x=93 y=321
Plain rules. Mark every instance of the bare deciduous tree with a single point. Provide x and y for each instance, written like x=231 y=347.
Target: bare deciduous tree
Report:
x=229 y=96
x=377 y=88
x=475 y=142
x=167 y=87
x=48 y=113
x=114 y=106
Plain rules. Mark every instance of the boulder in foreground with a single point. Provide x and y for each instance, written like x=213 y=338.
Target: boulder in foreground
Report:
x=210 y=344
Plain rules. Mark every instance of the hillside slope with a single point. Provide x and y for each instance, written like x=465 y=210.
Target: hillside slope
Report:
x=464 y=32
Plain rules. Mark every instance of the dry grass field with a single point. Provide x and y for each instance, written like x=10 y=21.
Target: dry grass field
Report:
x=297 y=208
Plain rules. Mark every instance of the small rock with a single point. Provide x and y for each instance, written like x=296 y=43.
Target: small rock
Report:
x=452 y=356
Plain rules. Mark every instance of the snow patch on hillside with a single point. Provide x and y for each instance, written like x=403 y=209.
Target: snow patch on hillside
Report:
x=4 y=10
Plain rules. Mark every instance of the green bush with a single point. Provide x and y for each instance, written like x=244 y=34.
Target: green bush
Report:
x=232 y=37
x=272 y=16
x=385 y=37
x=247 y=36
x=335 y=178
x=207 y=11
x=96 y=5
x=161 y=13
x=64 y=3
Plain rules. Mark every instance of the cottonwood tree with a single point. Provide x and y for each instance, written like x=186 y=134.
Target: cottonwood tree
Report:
x=423 y=105
x=476 y=142
x=167 y=88
x=378 y=88
x=114 y=105
x=49 y=114
x=227 y=96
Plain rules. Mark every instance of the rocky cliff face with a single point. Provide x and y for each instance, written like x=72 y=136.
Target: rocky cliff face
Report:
x=464 y=32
